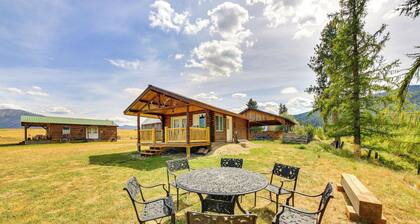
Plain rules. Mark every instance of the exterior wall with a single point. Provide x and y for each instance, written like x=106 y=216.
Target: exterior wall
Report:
x=107 y=133
x=240 y=128
x=78 y=132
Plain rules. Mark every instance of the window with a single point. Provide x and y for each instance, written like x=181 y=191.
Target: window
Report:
x=179 y=122
x=219 y=123
x=199 y=120
x=66 y=130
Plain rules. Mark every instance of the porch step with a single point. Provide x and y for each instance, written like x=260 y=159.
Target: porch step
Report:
x=152 y=151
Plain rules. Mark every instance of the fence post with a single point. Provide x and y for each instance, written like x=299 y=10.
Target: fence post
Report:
x=208 y=134
x=166 y=134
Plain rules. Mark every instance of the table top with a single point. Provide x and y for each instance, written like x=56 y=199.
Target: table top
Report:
x=221 y=181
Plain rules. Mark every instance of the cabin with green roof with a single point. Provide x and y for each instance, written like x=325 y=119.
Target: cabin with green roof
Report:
x=65 y=129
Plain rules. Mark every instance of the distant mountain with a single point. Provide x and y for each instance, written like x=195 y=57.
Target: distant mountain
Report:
x=127 y=127
x=10 y=118
x=316 y=120
x=307 y=118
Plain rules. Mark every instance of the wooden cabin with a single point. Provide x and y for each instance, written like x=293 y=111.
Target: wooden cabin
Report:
x=185 y=122
x=63 y=129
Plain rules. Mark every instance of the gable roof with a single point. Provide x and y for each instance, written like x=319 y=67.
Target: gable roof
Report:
x=275 y=116
x=141 y=102
x=65 y=120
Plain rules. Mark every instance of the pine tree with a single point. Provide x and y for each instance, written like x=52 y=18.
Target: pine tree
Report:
x=282 y=109
x=252 y=104
x=357 y=73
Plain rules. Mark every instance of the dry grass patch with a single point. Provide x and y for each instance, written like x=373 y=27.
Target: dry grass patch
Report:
x=82 y=182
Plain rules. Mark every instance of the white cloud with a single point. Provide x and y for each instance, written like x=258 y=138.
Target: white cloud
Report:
x=392 y=13
x=375 y=6
x=195 y=27
x=289 y=90
x=10 y=106
x=299 y=105
x=228 y=20
x=37 y=91
x=59 y=110
x=126 y=64
x=207 y=96
x=269 y=106
x=14 y=90
x=239 y=95
x=133 y=91
x=165 y=17
x=178 y=56
x=308 y=15
x=218 y=58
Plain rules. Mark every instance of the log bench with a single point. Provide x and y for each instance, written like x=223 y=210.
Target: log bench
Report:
x=364 y=206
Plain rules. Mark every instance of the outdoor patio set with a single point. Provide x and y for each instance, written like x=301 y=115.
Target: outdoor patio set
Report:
x=221 y=189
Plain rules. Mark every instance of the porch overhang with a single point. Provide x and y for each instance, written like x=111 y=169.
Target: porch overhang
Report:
x=155 y=102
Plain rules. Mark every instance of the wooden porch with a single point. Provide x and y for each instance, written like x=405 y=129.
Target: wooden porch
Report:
x=159 y=140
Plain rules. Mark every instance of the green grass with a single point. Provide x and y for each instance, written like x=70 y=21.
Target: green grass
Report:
x=82 y=182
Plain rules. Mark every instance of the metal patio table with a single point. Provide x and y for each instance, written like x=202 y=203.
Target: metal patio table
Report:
x=224 y=181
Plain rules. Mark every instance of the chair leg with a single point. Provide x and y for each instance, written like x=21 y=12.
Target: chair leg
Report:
x=277 y=203
x=270 y=197
x=255 y=199
x=293 y=200
x=177 y=199
x=173 y=219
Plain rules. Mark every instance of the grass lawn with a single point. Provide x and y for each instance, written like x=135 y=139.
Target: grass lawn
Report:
x=82 y=182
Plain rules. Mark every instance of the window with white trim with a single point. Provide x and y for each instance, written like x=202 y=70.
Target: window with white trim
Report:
x=219 y=123
x=66 y=130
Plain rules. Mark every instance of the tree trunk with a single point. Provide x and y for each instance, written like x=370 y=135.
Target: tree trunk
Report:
x=356 y=83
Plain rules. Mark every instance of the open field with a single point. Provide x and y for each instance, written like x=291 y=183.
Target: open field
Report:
x=82 y=182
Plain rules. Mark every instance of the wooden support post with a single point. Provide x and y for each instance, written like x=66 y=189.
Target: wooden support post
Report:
x=188 y=125
x=166 y=134
x=26 y=133
x=154 y=135
x=138 y=134
x=162 y=121
x=208 y=135
x=248 y=130
x=188 y=151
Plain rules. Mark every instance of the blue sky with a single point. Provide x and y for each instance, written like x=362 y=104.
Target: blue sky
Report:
x=92 y=58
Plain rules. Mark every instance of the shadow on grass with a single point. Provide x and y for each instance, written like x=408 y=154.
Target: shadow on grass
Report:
x=125 y=160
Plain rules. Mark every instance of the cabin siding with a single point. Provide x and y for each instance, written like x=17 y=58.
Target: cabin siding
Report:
x=78 y=132
x=240 y=128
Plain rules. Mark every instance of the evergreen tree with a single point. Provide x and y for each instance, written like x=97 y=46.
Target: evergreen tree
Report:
x=252 y=104
x=357 y=73
x=282 y=109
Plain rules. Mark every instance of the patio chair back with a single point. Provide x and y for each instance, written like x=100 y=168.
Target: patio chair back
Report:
x=325 y=198
x=285 y=171
x=133 y=189
x=231 y=162
x=204 y=218
x=177 y=165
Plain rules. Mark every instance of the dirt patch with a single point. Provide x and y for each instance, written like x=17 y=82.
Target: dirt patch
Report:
x=233 y=149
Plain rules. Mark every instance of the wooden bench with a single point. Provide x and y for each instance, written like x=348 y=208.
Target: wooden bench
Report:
x=364 y=206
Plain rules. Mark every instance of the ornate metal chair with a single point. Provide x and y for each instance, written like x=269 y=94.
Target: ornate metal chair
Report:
x=173 y=166
x=201 y=218
x=223 y=204
x=151 y=209
x=231 y=162
x=290 y=214
x=286 y=174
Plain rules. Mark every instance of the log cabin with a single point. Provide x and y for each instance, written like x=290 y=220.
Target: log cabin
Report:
x=185 y=122
x=63 y=129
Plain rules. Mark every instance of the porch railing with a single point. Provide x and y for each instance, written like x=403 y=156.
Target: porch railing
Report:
x=175 y=135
